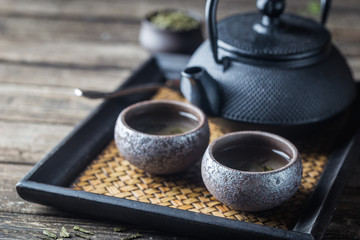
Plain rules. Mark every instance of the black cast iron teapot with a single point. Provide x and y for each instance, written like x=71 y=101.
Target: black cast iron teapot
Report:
x=268 y=68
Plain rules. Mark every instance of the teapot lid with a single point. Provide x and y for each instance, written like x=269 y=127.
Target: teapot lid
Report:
x=271 y=36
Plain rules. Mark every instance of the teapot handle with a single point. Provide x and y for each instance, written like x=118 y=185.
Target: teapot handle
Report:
x=210 y=12
x=325 y=8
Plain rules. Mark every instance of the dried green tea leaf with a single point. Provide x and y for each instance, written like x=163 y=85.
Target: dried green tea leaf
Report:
x=82 y=236
x=64 y=233
x=267 y=168
x=50 y=234
x=313 y=7
x=45 y=238
x=80 y=229
x=119 y=229
x=134 y=236
x=174 y=20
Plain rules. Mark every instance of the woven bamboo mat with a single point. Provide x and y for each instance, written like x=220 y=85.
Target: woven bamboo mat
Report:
x=110 y=174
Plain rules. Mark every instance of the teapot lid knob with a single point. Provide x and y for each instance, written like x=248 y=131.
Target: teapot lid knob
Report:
x=271 y=9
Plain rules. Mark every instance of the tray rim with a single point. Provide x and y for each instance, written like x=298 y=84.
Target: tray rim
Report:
x=40 y=187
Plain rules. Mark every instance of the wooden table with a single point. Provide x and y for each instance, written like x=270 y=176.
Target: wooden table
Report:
x=47 y=48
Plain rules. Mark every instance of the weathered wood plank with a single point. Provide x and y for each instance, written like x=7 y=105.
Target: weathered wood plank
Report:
x=41 y=104
x=355 y=67
x=127 y=9
x=29 y=143
x=25 y=226
x=10 y=201
x=45 y=95
x=130 y=8
x=78 y=55
x=48 y=76
x=349 y=49
x=346 y=36
x=49 y=29
x=99 y=30
x=111 y=9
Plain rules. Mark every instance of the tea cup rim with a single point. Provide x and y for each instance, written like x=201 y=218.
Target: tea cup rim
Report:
x=200 y=115
x=291 y=146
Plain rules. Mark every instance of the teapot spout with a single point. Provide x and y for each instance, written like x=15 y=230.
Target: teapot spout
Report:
x=201 y=89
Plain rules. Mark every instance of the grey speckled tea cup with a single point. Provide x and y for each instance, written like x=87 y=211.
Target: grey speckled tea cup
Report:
x=251 y=191
x=162 y=154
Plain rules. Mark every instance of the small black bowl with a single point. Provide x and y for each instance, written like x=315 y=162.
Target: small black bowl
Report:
x=156 y=39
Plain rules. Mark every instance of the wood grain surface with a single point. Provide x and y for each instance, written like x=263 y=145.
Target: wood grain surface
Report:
x=47 y=48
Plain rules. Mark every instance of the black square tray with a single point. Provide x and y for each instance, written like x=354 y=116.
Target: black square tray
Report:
x=48 y=182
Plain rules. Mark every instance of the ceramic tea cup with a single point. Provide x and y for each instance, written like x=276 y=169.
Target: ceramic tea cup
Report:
x=157 y=38
x=251 y=170
x=162 y=136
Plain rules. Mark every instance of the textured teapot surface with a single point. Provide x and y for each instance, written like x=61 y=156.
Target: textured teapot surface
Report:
x=275 y=84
